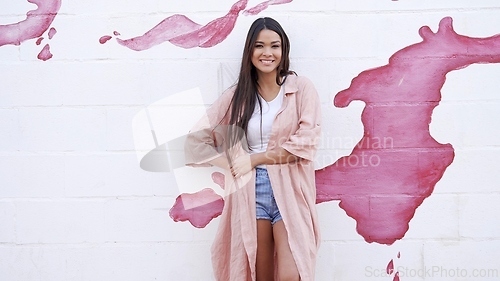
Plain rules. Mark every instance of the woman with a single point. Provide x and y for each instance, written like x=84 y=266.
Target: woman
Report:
x=263 y=131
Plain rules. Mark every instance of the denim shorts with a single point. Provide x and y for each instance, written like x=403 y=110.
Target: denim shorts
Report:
x=267 y=208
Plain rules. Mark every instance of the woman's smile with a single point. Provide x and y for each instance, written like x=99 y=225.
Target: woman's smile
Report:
x=267 y=51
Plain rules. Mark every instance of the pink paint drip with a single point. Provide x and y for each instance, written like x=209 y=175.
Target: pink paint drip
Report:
x=104 y=39
x=208 y=205
x=52 y=32
x=36 y=23
x=45 y=54
x=390 y=267
x=396 y=277
x=382 y=192
x=185 y=33
x=39 y=41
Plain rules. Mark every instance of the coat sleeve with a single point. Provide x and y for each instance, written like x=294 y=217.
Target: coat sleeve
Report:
x=303 y=143
x=205 y=141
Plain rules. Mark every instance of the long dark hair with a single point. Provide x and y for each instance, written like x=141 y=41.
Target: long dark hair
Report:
x=245 y=95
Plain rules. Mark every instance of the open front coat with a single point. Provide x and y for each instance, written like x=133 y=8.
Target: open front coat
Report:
x=296 y=128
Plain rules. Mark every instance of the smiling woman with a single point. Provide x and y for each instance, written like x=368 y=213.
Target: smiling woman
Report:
x=267 y=57
x=270 y=123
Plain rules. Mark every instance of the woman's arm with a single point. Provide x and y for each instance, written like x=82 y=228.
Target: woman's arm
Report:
x=275 y=156
x=303 y=143
x=203 y=144
x=247 y=162
x=220 y=162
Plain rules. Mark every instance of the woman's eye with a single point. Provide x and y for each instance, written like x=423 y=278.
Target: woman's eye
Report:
x=276 y=46
x=258 y=46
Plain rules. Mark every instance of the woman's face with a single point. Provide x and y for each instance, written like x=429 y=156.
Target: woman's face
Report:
x=267 y=52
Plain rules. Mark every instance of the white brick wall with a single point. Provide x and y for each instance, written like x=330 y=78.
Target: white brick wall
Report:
x=75 y=205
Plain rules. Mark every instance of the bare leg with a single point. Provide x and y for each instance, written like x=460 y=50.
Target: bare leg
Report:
x=287 y=269
x=265 y=251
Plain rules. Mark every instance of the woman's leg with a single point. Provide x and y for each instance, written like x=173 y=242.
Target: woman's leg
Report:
x=265 y=251
x=287 y=269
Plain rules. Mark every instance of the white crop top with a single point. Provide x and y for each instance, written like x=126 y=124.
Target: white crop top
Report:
x=257 y=138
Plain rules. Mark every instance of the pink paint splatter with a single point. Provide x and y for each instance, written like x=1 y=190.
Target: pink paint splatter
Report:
x=390 y=267
x=116 y=33
x=45 y=54
x=39 y=41
x=218 y=178
x=104 y=39
x=185 y=33
x=264 y=5
x=198 y=208
x=397 y=163
x=36 y=23
x=399 y=255
x=52 y=32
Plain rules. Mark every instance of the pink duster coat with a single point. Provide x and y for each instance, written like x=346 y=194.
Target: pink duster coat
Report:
x=296 y=128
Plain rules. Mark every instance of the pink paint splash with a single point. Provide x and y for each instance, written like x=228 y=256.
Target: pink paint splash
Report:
x=264 y=5
x=208 y=205
x=201 y=207
x=45 y=54
x=185 y=33
x=36 y=23
x=390 y=267
x=218 y=178
x=104 y=39
x=166 y=30
x=396 y=276
x=397 y=163
x=52 y=32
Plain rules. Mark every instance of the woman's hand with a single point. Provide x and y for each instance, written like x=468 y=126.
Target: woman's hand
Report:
x=241 y=165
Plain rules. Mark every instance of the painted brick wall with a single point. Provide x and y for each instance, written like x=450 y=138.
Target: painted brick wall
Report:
x=75 y=205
